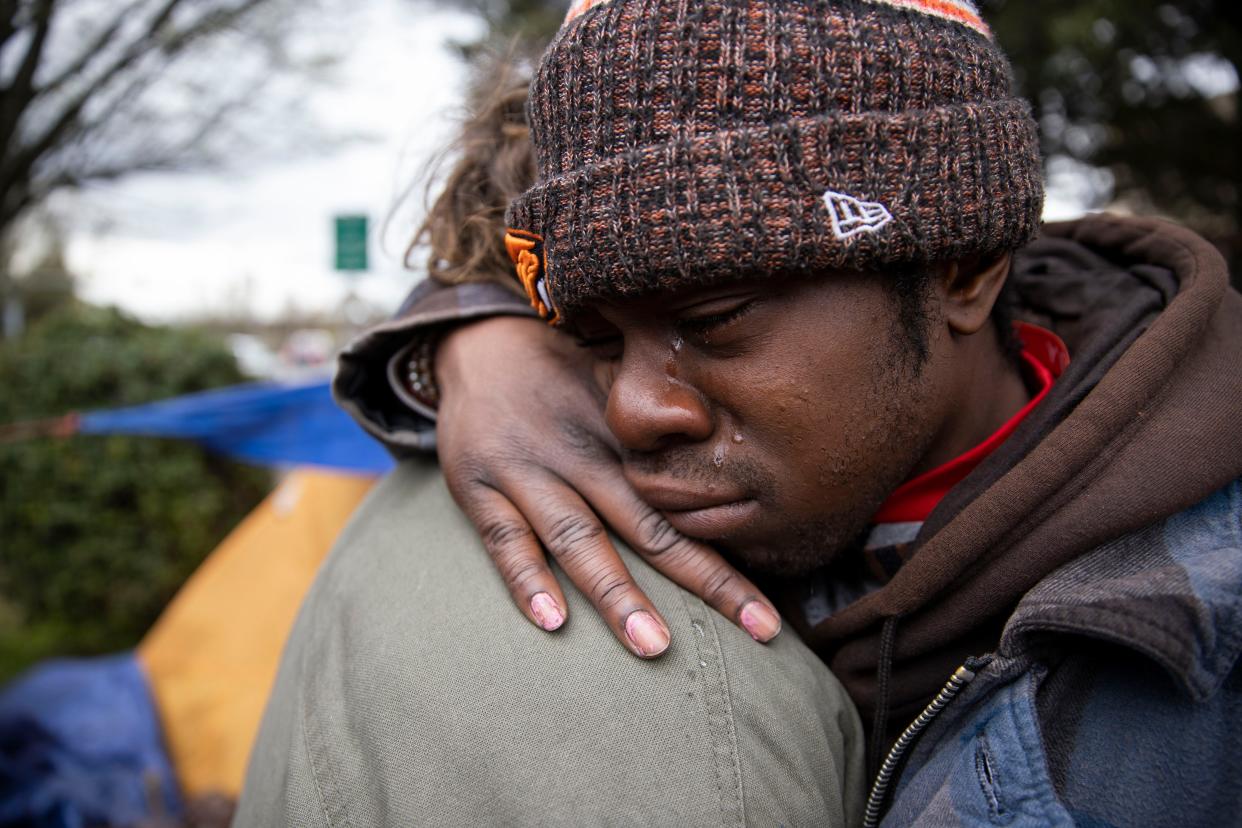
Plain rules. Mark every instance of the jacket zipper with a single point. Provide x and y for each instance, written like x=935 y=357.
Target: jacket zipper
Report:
x=884 y=779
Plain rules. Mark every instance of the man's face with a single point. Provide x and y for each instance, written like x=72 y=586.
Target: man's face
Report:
x=769 y=419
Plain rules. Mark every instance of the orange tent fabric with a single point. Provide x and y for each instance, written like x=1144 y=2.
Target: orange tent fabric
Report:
x=211 y=658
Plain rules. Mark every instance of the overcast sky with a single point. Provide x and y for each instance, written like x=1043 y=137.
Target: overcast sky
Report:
x=176 y=246
x=168 y=247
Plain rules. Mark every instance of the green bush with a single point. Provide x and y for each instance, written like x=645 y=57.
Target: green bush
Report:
x=97 y=533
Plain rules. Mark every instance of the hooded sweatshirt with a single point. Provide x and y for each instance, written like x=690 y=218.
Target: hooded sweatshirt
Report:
x=1143 y=424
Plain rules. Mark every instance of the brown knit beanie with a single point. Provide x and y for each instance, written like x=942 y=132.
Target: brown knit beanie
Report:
x=684 y=142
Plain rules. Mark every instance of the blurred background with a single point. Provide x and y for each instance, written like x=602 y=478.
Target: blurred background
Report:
x=200 y=193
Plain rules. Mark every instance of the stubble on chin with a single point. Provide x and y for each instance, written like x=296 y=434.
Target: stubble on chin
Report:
x=857 y=476
x=807 y=546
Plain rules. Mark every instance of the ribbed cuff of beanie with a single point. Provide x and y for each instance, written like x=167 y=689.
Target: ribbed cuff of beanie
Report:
x=855 y=192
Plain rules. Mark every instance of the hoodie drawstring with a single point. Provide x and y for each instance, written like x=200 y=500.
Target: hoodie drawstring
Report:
x=884 y=672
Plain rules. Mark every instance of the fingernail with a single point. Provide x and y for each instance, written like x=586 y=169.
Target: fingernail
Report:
x=646 y=634
x=761 y=621
x=546 y=612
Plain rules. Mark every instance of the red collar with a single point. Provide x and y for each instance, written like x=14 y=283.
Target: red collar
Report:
x=1045 y=357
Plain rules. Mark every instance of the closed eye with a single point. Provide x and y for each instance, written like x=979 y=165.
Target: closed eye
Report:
x=705 y=325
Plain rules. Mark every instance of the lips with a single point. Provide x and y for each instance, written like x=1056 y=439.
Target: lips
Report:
x=715 y=522
x=699 y=513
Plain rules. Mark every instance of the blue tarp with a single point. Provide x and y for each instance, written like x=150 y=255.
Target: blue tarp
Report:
x=80 y=745
x=264 y=423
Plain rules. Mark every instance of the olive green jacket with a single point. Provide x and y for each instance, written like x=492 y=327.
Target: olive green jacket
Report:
x=412 y=692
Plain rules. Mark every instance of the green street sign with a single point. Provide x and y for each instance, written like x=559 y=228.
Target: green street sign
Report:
x=351 y=243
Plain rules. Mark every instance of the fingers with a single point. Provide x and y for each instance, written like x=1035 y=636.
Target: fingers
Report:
x=515 y=551
x=575 y=537
x=689 y=563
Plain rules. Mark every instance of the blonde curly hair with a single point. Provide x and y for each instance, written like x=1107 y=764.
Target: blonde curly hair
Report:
x=464 y=227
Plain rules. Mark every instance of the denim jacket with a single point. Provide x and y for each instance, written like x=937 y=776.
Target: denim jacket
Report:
x=1114 y=698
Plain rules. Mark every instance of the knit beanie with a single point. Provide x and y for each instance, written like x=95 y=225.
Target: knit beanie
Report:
x=693 y=142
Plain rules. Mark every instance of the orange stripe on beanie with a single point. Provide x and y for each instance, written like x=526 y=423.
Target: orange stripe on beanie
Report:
x=580 y=6
x=959 y=11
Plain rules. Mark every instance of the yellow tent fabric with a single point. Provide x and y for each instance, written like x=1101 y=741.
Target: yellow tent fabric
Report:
x=211 y=657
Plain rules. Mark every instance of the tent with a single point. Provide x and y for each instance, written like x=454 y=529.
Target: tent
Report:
x=269 y=424
x=121 y=739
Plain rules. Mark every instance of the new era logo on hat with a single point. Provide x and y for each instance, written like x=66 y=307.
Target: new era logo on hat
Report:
x=851 y=216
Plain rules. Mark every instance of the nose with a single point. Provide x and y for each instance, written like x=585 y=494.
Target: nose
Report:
x=648 y=409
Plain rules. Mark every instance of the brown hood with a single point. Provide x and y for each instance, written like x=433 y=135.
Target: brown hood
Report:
x=1144 y=424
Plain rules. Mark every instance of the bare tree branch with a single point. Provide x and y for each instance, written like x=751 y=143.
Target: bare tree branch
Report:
x=92 y=50
x=69 y=116
x=154 y=38
x=102 y=88
x=8 y=20
x=18 y=95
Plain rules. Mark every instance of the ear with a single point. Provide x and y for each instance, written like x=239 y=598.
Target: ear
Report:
x=969 y=290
